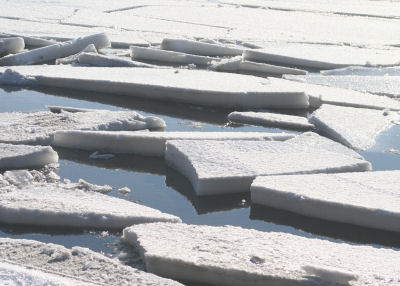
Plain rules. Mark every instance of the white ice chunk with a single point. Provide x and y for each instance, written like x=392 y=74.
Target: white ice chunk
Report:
x=18 y=177
x=77 y=263
x=150 y=54
x=83 y=185
x=330 y=274
x=31 y=41
x=369 y=199
x=199 y=48
x=11 y=45
x=73 y=59
x=108 y=61
x=70 y=205
x=149 y=143
x=365 y=71
x=232 y=256
x=39 y=127
x=218 y=167
x=269 y=119
x=124 y=190
x=56 y=51
x=23 y=156
x=357 y=128
x=189 y=86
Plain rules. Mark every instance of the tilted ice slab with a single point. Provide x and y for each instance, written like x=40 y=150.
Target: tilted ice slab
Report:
x=384 y=85
x=149 y=143
x=357 y=128
x=11 y=45
x=231 y=255
x=219 y=167
x=188 y=86
x=150 y=54
x=271 y=120
x=322 y=56
x=23 y=156
x=365 y=71
x=30 y=41
x=78 y=263
x=199 y=48
x=108 y=61
x=39 y=127
x=11 y=274
x=60 y=50
x=67 y=205
x=369 y=199
x=237 y=64
x=73 y=59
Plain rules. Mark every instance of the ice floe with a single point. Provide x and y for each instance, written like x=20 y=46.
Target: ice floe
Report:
x=187 y=86
x=73 y=59
x=11 y=45
x=231 y=255
x=59 y=50
x=108 y=61
x=39 y=127
x=269 y=119
x=78 y=263
x=218 y=167
x=149 y=143
x=369 y=199
x=23 y=156
x=357 y=128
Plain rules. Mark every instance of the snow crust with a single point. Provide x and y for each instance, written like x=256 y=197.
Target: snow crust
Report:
x=357 y=128
x=231 y=255
x=188 y=86
x=39 y=127
x=78 y=263
x=23 y=156
x=11 y=45
x=219 y=167
x=368 y=199
x=271 y=120
x=60 y=50
x=149 y=143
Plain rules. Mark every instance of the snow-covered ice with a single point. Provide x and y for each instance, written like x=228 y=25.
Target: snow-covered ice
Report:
x=73 y=59
x=219 y=167
x=357 y=128
x=269 y=119
x=78 y=263
x=11 y=45
x=30 y=41
x=187 y=86
x=23 y=156
x=59 y=50
x=365 y=71
x=149 y=143
x=108 y=61
x=231 y=255
x=39 y=127
x=369 y=199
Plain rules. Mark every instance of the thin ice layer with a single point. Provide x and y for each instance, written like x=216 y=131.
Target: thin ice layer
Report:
x=369 y=199
x=39 y=127
x=357 y=128
x=271 y=120
x=23 y=156
x=231 y=255
x=80 y=263
x=148 y=143
x=68 y=205
x=189 y=86
x=218 y=167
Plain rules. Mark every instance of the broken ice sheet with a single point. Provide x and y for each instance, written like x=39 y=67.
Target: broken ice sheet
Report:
x=369 y=199
x=39 y=127
x=235 y=256
x=11 y=45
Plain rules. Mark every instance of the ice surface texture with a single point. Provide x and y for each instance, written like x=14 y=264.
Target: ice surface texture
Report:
x=235 y=256
x=369 y=199
x=148 y=143
x=218 y=167
x=23 y=156
x=39 y=127
x=79 y=263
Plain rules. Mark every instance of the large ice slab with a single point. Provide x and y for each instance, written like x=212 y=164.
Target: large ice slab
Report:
x=73 y=59
x=23 y=156
x=11 y=45
x=218 y=167
x=369 y=199
x=149 y=143
x=81 y=263
x=270 y=120
x=188 y=86
x=357 y=128
x=231 y=255
x=108 y=61
x=60 y=50
x=39 y=127
x=68 y=205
